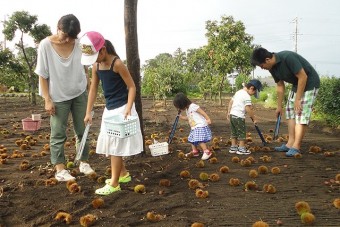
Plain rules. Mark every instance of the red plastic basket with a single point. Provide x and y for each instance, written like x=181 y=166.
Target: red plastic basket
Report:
x=30 y=125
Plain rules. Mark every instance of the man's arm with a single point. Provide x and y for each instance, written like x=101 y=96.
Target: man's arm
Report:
x=302 y=81
x=280 y=90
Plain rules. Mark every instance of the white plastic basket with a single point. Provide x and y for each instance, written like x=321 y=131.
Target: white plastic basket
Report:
x=36 y=117
x=159 y=149
x=119 y=127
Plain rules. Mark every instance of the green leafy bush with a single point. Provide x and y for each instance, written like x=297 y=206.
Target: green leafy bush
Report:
x=268 y=97
x=263 y=96
x=327 y=102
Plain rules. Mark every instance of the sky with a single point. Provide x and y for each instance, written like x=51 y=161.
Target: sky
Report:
x=166 y=25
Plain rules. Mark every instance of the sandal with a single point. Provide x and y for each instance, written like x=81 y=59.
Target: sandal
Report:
x=282 y=148
x=107 y=190
x=124 y=179
x=193 y=153
x=292 y=151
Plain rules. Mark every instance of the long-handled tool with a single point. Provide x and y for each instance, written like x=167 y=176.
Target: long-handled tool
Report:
x=277 y=127
x=81 y=146
x=259 y=132
x=172 y=133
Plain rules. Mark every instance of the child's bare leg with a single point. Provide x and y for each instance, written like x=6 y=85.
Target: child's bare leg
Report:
x=123 y=170
x=203 y=146
x=206 y=153
x=116 y=168
x=234 y=142
x=193 y=152
x=194 y=148
x=242 y=143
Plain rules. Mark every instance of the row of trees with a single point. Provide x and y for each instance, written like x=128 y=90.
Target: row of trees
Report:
x=205 y=68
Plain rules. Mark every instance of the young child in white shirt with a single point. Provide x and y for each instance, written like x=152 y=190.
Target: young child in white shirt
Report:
x=200 y=133
x=239 y=106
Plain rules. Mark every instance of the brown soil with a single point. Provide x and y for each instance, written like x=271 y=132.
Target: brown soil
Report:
x=27 y=198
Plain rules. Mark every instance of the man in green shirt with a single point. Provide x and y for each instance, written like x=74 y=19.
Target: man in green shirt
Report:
x=292 y=68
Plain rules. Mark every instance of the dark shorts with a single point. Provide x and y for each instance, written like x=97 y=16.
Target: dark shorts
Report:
x=238 y=127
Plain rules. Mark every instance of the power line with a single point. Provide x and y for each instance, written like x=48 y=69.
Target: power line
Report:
x=328 y=35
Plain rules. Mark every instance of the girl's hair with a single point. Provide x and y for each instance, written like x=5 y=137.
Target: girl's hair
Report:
x=109 y=48
x=181 y=101
x=70 y=25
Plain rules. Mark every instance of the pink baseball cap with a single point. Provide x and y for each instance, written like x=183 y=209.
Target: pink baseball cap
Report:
x=90 y=44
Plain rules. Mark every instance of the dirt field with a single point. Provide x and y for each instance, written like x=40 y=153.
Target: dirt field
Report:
x=29 y=197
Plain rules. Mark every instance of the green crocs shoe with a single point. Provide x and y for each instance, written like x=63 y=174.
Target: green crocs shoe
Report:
x=107 y=190
x=124 y=179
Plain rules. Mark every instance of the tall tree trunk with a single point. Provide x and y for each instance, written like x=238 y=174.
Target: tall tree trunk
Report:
x=132 y=55
x=220 y=98
x=220 y=89
x=32 y=88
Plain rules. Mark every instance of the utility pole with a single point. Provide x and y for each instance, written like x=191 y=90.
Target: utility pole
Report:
x=3 y=23
x=295 y=35
x=4 y=35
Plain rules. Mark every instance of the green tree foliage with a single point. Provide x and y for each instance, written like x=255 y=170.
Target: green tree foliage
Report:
x=228 y=52
x=163 y=75
x=229 y=49
x=327 y=102
x=26 y=24
x=240 y=79
x=11 y=70
x=180 y=72
x=199 y=70
x=205 y=68
x=6 y=57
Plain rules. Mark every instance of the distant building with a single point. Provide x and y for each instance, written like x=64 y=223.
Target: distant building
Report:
x=231 y=78
x=268 y=80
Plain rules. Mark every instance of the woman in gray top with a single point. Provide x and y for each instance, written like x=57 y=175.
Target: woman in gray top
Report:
x=63 y=84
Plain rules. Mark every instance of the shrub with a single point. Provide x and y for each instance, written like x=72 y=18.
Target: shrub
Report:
x=327 y=104
x=263 y=96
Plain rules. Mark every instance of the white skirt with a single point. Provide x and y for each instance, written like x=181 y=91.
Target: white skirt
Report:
x=110 y=145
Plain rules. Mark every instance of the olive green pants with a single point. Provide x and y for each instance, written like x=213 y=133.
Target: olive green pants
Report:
x=58 y=123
